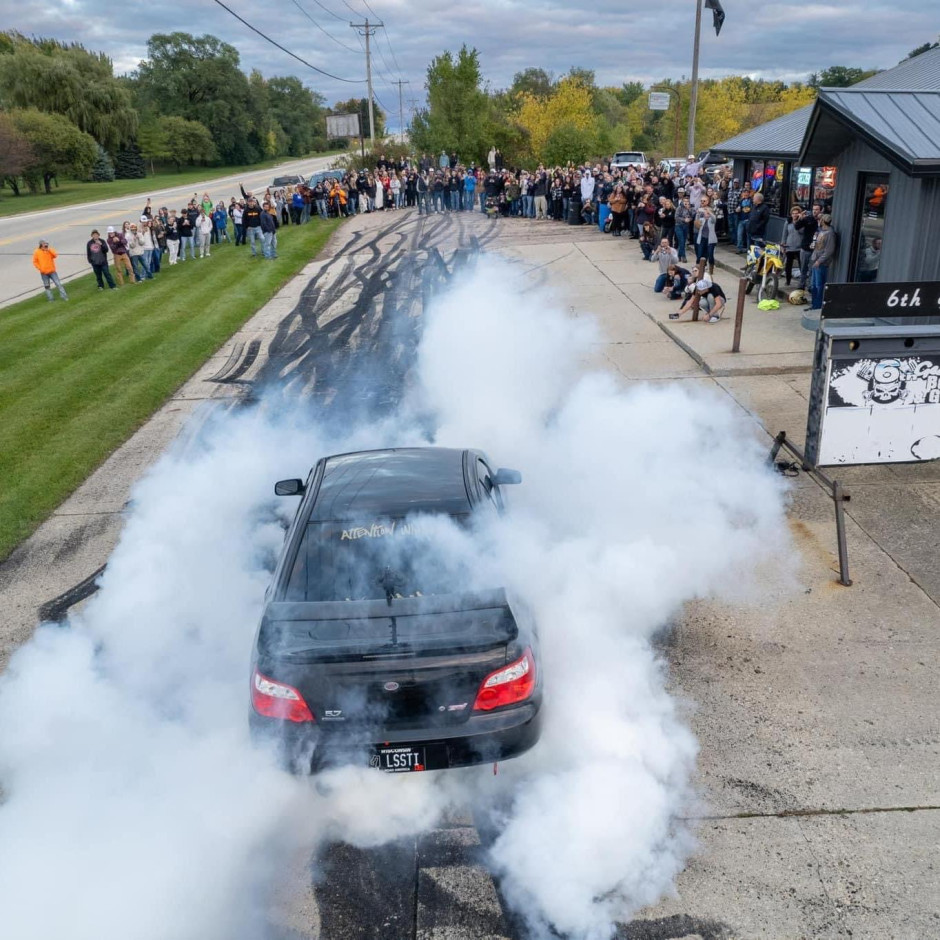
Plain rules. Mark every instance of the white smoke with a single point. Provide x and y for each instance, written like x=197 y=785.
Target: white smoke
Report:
x=134 y=804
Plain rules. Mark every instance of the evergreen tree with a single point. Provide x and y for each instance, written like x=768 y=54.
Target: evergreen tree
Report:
x=103 y=170
x=129 y=163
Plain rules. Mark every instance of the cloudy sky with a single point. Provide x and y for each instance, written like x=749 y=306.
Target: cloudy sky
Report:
x=619 y=39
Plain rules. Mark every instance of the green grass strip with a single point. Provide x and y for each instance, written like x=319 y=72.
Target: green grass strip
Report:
x=78 y=378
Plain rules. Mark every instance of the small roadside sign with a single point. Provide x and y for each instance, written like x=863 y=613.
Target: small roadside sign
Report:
x=659 y=101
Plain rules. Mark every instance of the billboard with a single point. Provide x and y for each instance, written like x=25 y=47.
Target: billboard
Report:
x=342 y=125
x=659 y=101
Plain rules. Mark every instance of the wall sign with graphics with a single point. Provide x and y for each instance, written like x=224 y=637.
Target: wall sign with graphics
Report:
x=875 y=395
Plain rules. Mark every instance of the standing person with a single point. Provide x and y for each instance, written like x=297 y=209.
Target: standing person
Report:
x=97 y=253
x=251 y=220
x=186 y=236
x=238 y=212
x=707 y=236
x=618 y=210
x=757 y=220
x=147 y=210
x=173 y=237
x=220 y=221
x=469 y=191
x=819 y=260
x=792 y=240
x=421 y=191
x=745 y=204
x=135 y=248
x=685 y=216
x=540 y=193
x=122 y=262
x=732 y=203
x=146 y=239
x=491 y=159
x=808 y=226
x=666 y=219
x=268 y=225
x=203 y=234
x=158 y=233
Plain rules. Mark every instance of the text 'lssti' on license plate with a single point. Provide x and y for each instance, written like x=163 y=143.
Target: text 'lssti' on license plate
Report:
x=398 y=760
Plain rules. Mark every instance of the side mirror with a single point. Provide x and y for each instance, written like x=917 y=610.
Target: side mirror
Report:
x=505 y=477
x=289 y=487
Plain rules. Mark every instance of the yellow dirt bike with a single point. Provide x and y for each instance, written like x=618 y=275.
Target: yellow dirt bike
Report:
x=764 y=264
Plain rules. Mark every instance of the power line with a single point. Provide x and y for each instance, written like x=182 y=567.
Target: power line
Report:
x=342 y=19
x=322 y=30
x=293 y=55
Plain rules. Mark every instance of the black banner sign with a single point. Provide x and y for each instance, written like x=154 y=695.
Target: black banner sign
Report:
x=863 y=301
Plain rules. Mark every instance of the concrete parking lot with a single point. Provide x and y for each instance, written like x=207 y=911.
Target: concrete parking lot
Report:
x=815 y=705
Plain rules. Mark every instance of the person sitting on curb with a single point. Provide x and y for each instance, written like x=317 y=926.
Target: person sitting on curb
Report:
x=44 y=262
x=667 y=256
x=677 y=279
x=712 y=296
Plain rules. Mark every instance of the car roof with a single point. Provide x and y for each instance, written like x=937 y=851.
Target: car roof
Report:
x=392 y=483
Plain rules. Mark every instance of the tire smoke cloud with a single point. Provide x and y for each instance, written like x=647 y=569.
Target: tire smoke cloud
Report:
x=134 y=803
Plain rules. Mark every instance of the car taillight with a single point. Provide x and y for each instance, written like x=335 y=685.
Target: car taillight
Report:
x=507 y=686
x=277 y=700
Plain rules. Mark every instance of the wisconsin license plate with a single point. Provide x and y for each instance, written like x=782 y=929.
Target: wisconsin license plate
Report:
x=398 y=760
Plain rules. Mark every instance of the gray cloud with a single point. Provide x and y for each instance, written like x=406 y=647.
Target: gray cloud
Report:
x=647 y=43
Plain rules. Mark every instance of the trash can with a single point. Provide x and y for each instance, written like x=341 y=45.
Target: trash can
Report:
x=574 y=212
x=603 y=210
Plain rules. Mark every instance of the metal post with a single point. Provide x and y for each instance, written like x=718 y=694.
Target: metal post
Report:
x=739 y=315
x=839 y=497
x=693 y=103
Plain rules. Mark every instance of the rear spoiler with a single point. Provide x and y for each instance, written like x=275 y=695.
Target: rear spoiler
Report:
x=400 y=606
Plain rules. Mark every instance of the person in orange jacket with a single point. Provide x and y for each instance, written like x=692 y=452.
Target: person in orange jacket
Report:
x=44 y=262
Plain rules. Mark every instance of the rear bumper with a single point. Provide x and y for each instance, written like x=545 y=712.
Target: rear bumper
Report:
x=484 y=738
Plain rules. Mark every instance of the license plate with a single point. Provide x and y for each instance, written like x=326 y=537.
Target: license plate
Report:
x=398 y=760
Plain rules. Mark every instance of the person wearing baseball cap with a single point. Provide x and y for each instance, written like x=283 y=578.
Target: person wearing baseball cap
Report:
x=707 y=292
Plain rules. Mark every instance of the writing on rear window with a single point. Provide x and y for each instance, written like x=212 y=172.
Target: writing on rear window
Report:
x=379 y=530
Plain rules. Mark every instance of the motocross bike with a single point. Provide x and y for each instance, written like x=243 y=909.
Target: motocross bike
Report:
x=764 y=264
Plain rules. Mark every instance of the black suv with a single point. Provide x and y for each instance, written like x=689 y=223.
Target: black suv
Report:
x=372 y=649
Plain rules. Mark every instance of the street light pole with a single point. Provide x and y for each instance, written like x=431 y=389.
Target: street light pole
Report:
x=693 y=103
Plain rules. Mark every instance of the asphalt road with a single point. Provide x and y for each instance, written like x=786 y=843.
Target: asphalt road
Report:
x=67 y=229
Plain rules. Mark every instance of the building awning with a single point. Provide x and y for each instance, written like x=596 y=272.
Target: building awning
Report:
x=901 y=125
x=780 y=138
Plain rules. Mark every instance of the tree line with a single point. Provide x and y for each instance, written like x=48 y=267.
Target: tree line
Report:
x=552 y=119
x=63 y=111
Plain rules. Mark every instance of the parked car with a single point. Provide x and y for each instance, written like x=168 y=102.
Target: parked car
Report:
x=282 y=182
x=635 y=158
x=372 y=649
x=672 y=164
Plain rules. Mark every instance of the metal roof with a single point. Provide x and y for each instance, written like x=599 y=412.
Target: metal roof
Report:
x=780 y=137
x=922 y=73
x=902 y=125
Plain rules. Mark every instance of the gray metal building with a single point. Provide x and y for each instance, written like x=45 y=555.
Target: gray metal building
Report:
x=879 y=144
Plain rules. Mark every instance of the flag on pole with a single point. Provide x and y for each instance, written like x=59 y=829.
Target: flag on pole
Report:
x=718 y=14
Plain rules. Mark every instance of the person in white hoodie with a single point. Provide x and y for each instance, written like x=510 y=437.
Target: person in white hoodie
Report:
x=203 y=233
x=587 y=187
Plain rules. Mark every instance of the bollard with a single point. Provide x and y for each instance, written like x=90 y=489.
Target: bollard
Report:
x=739 y=316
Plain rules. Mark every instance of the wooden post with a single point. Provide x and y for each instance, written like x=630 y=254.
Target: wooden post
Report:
x=739 y=315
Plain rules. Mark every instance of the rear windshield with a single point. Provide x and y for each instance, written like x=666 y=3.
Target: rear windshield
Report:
x=372 y=560
x=629 y=157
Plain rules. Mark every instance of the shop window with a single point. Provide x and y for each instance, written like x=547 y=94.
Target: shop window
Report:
x=801 y=185
x=869 y=226
x=824 y=186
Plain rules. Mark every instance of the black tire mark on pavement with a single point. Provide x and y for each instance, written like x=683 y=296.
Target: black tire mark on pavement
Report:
x=55 y=610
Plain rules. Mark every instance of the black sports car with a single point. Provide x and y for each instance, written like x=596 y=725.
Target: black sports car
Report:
x=371 y=648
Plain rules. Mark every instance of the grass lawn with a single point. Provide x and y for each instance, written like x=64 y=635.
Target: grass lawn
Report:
x=73 y=192
x=77 y=378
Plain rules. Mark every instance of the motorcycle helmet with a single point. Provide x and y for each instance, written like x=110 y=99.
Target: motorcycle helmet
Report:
x=798 y=297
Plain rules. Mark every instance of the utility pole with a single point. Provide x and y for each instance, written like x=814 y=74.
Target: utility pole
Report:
x=693 y=103
x=368 y=29
x=401 y=109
